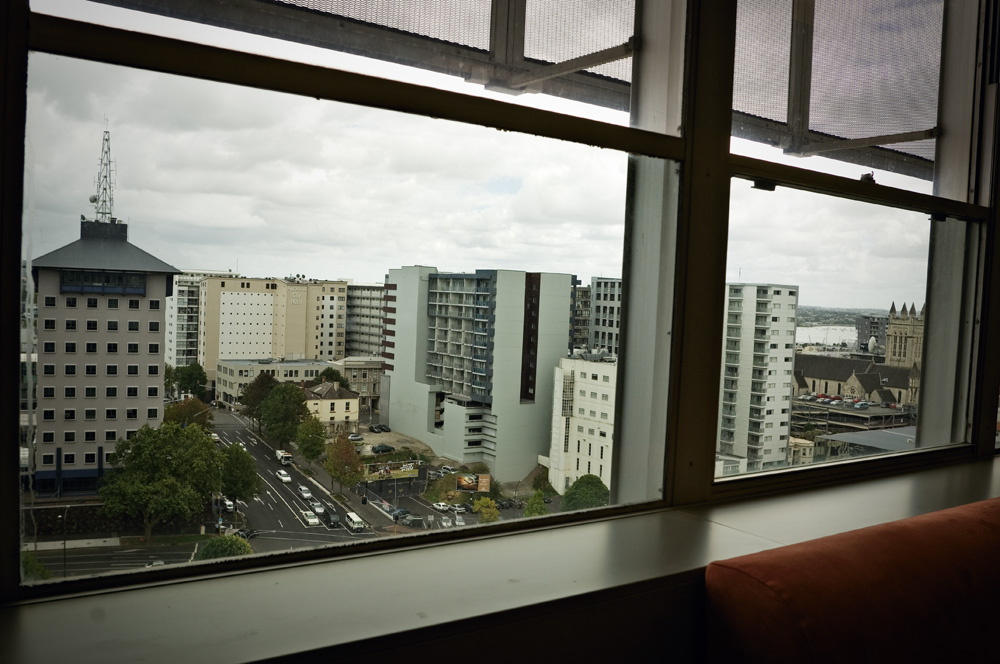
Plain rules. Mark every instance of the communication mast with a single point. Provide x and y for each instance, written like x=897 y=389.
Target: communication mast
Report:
x=104 y=199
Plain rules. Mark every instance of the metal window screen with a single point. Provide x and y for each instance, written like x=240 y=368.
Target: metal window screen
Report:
x=556 y=32
x=465 y=22
x=875 y=67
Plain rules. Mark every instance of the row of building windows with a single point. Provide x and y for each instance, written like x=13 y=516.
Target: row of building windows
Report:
x=69 y=414
x=69 y=392
x=109 y=370
x=70 y=302
x=91 y=347
x=49 y=459
x=93 y=326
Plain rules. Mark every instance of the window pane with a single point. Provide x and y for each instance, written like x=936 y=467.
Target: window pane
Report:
x=823 y=344
x=517 y=227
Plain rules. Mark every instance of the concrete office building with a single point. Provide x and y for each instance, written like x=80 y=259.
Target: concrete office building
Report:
x=583 y=416
x=468 y=362
x=243 y=317
x=364 y=320
x=605 y=313
x=100 y=349
x=182 y=316
x=757 y=376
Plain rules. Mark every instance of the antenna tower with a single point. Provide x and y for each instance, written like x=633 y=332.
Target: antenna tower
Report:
x=104 y=201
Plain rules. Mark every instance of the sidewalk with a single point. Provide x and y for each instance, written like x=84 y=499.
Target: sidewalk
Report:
x=72 y=544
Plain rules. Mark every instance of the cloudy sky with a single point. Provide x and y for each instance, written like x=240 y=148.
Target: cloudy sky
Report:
x=216 y=177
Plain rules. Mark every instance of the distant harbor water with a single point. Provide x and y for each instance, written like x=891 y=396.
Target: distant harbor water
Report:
x=826 y=334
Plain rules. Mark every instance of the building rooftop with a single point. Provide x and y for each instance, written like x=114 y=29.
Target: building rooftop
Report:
x=103 y=246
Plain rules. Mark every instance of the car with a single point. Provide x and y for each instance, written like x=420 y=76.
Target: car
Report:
x=310 y=518
x=228 y=504
x=355 y=438
x=374 y=428
x=460 y=507
x=448 y=470
x=155 y=563
x=445 y=522
x=317 y=507
x=383 y=449
x=305 y=492
x=411 y=520
x=459 y=521
x=384 y=428
x=434 y=475
x=331 y=519
x=215 y=437
x=284 y=476
x=246 y=533
x=861 y=405
x=441 y=507
x=399 y=514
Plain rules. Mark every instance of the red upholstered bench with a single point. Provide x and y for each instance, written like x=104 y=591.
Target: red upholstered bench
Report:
x=923 y=589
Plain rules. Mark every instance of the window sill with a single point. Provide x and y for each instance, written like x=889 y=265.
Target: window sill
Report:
x=446 y=592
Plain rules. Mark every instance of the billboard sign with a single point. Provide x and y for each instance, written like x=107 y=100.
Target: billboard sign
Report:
x=472 y=482
x=390 y=470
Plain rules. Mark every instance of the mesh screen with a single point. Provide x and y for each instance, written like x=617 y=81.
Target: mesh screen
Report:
x=875 y=66
x=465 y=22
x=555 y=32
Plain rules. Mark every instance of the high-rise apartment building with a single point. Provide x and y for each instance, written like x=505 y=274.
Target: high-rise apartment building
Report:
x=868 y=326
x=605 y=313
x=100 y=353
x=469 y=360
x=364 y=320
x=248 y=318
x=583 y=417
x=182 y=316
x=758 y=374
x=581 y=317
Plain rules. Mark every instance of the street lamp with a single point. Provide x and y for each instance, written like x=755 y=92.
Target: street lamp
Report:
x=64 y=516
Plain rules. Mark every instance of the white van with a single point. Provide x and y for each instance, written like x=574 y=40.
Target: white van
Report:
x=354 y=522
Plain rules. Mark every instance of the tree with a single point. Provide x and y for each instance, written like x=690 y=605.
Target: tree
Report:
x=239 y=474
x=190 y=411
x=487 y=510
x=162 y=474
x=536 y=505
x=334 y=376
x=282 y=412
x=191 y=378
x=342 y=462
x=169 y=380
x=311 y=438
x=32 y=569
x=223 y=546
x=255 y=393
x=586 y=492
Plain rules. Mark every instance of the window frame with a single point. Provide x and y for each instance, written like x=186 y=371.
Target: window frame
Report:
x=693 y=330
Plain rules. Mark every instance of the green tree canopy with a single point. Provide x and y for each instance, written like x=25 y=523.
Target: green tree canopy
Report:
x=162 y=474
x=191 y=378
x=536 y=505
x=255 y=393
x=334 y=376
x=239 y=474
x=487 y=510
x=224 y=546
x=342 y=462
x=190 y=411
x=282 y=412
x=586 y=492
x=32 y=569
x=310 y=438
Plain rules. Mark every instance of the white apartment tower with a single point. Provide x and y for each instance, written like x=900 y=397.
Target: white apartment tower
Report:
x=758 y=374
x=364 y=320
x=469 y=359
x=605 y=313
x=583 y=415
x=182 y=316
x=251 y=318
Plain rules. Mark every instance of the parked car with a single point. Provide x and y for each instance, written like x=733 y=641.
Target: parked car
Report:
x=441 y=507
x=331 y=519
x=246 y=533
x=384 y=428
x=305 y=492
x=355 y=438
x=317 y=507
x=374 y=428
x=861 y=405
x=411 y=520
x=434 y=475
x=215 y=437
x=310 y=518
x=459 y=521
x=284 y=476
x=381 y=448
x=228 y=504
x=445 y=522
x=447 y=470
x=459 y=507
